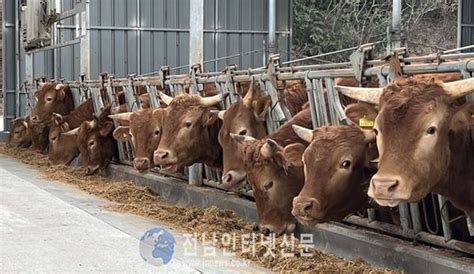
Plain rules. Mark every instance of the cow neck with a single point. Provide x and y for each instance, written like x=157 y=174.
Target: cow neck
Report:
x=458 y=184
x=285 y=134
x=80 y=114
x=214 y=155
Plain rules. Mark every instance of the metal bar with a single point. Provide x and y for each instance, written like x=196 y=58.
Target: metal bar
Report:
x=17 y=60
x=85 y=64
x=272 y=46
x=72 y=12
x=415 y=217
x=459 y=49
x=410 y=234
x=404 y=215
x=444 y=217
x=395 y=39
x=65 y=44
x=138 y=37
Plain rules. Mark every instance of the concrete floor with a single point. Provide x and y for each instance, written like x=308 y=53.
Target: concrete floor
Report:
x=50 y=226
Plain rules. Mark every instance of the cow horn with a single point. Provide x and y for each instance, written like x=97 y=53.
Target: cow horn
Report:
x=71 y=132
x=304 y=133
x=60 y=86
x=219 y=113
x=121 y=116
x=460 y=88
x=268 y=148
x=213 y=100
x=247 y=100
x=368 y=95
x=241 y=138
x=165 y=98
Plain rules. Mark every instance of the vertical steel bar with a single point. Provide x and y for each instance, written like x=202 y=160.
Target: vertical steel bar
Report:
x=404 y=215
x=272 y=47
x=312 y=106
x=332 y=104
x=139 y=43
x=17 y=60
x=415 y=217
x=443 y=208
x=396 y=24
x=85 y=41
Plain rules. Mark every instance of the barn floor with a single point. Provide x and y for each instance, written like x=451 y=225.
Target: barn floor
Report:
x=48 y=226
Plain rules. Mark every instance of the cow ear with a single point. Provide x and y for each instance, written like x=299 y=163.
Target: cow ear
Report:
x=294 y=154
x=220 y=114
x=106 y=128
x=463 y=118
x=122 y=133
x=57 y=119
x=61 y=93
x=362 y=114
x=261 y=107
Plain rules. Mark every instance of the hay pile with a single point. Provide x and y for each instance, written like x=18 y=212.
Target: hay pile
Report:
x=128 y=197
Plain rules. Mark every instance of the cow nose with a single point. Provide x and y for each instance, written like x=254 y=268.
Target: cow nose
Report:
x=227 y=178
x=141 y=163
x=264 y=230
x=303 y=206
x=384 y=186
x=162 y=154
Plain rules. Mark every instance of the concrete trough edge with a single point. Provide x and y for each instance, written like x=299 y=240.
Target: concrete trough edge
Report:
x=338 y=239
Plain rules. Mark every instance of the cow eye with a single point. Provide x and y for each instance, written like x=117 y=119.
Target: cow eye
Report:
x=49 y=99
x=431 y=130
x=376 y=132
x=157 y=132
x=91 y=143
x=16 y=132
x=243 y=132
x=268 y=185
x=188 y=124
x=54 y=138
x=346 y=164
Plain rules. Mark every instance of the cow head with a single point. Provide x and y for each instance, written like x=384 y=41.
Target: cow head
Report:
x=416 y=121
x=337 y=171
x=143 y=128
x=19 y=136
x=52 y=97
x=95 y=143
x=245 y=117
x=62 y=148
x=274 y=181
x=189 y=132
x=39 y=134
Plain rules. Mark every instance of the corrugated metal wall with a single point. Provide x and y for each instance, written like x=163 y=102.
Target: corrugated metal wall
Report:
x=140 y=36
x=466 y=23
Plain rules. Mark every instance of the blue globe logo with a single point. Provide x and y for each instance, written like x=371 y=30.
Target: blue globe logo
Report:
x=157 y=246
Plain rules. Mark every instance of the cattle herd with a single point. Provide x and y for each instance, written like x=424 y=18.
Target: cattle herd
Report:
x=408 y=139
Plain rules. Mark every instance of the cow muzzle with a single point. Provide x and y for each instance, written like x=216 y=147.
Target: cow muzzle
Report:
x=266 y=229
x=307 y=210
x=141 y=164
x=233 y=179
x=164 y=158
x=385 y=190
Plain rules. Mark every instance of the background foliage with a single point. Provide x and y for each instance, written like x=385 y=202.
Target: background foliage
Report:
x=326 y=25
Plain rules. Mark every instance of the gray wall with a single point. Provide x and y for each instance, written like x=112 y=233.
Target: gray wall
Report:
x=140 y=36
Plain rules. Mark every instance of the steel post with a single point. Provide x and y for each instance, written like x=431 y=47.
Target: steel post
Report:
x=272 y=46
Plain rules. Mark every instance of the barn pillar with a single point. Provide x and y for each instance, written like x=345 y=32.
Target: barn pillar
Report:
x=196 y=49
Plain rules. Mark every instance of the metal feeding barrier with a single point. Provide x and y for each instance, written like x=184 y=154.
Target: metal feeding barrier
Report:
x=428 y=221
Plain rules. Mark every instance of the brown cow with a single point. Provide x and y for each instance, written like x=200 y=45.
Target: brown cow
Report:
x=52 y=97
x=274 y=180
x=337 y=167
x=63 y=148
x=19 y=136
x=38 y=132
x=189 y=132
x=424 y=141
x=247 y=117
x=95 y=142
x=144 y=129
